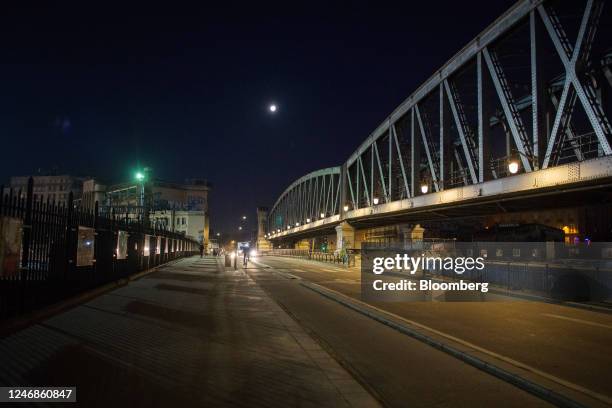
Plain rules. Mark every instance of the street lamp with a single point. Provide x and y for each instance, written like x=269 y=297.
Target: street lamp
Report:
x=244 y=217
x=375 y=200
x=346 y=207
x=239 y=228
x=513 y=167
x=140 y=177
x=297 y=224
x=424 y=188
x=322 y=215
x=307 y=220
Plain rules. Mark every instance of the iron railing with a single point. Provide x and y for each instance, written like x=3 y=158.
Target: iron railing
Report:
x=50 y=251
x=345 y=259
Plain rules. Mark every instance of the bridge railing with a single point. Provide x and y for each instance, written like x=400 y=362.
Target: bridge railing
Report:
x=562 y=281
x=50 y=251
x=345 y=259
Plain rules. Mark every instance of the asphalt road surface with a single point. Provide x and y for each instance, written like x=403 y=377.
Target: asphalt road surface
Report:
x=567 y=343
x=193 y=333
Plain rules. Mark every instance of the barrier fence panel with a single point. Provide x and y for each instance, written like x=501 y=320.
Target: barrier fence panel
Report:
x=346 y=258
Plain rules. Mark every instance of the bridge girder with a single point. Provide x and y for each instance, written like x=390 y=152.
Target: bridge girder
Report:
x=500 y=99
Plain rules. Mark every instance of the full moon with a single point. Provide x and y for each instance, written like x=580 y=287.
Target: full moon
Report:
x=272 y=108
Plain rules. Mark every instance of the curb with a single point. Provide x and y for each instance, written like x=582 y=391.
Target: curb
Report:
x=514 y=379
x=350 y=371
x=21 y=322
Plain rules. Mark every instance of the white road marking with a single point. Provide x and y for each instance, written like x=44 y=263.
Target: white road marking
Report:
x=605 y=398
x=260 y=263
x=347 y=281
x=571 y=319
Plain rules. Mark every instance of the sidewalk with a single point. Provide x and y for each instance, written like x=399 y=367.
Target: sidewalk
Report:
x=189 y=334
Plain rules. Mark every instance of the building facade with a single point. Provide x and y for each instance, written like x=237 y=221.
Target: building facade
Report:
x=55 y=188
x=179 y=207
x=190 y=223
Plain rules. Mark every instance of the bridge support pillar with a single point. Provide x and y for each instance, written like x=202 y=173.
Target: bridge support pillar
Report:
x=347 y=239
x=413 y=236
x=345 y=236
x=262 y=243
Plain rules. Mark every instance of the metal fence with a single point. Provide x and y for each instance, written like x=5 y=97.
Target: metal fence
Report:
x=558 y=270
x=347 y=259
x=51 y=251
x=562 y=281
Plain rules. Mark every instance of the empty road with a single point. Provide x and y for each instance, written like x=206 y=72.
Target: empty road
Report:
x=558 y=345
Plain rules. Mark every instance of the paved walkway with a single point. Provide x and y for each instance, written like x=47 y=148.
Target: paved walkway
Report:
x=189 y=334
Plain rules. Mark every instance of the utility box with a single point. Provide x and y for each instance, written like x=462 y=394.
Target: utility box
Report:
x=228 y=260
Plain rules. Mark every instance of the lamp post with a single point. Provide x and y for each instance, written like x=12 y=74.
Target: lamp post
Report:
x=140 y=179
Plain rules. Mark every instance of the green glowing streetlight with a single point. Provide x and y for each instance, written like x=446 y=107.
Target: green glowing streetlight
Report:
x=140 y=177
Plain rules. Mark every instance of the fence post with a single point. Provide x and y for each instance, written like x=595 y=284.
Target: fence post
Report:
x=27 y=230
x=69 y=261
x=507 y=275
x=96 y=273
x=25 y=256
x=141 y=243
x=114 y=242
x=548 y=286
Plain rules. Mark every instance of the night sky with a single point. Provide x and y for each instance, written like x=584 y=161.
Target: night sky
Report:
x=99 y=91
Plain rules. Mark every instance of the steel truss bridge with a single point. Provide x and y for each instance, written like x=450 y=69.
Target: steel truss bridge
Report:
x=522 y=111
